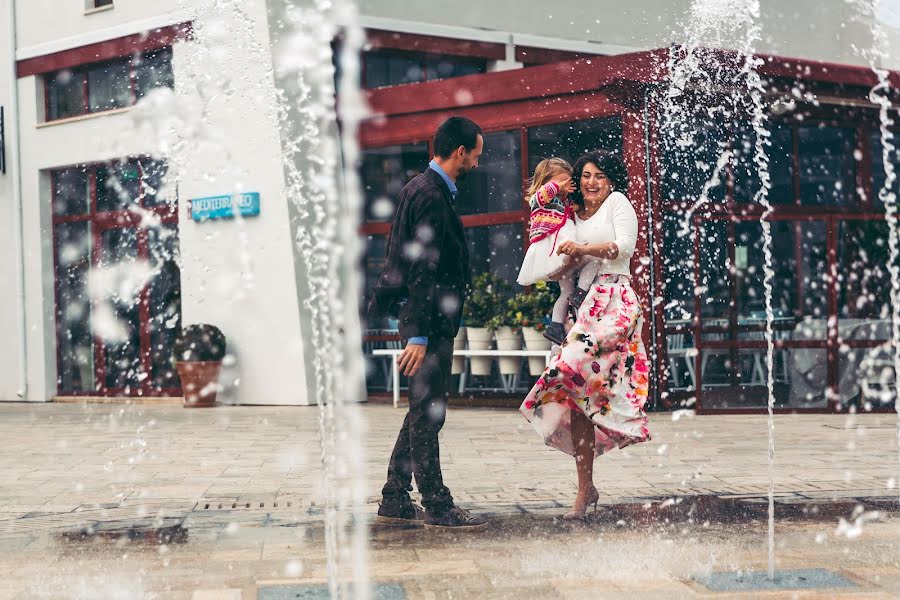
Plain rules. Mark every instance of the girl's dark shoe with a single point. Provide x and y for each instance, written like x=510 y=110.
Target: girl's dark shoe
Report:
x=576 y=299
x=556 y=333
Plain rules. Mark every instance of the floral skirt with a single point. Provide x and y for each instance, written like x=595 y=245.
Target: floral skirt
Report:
x=601 y=371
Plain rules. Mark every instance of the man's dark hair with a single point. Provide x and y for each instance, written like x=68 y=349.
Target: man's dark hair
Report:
x=607 y=162
x=453 y=133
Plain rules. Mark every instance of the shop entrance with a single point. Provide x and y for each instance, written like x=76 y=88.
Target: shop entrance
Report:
x=118 y=288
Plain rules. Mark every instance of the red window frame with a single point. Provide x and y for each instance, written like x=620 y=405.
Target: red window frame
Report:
x=101 y=221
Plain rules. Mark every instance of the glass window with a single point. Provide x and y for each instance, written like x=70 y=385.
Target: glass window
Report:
x=65 y=95
x=864 y=281
x=866 y=378
x=445 y=68
x=779 y=150
x=373 y=264
x=827 y=165
x=118 y=186
x=571 y=140
x=71 y=193
x=395 y=67
x=496 y=185
x=878 y=172
x=689 y=159
x=73 y=307
x=155 y=189
x=153 y=70
x=678 y=268
x=99 y=3
x=384 y=173
x=800 y=266
x=109 y=85
x=164 y=300
x=384 y=69
x=497 y=249
x=121 y=331
x=715 y=268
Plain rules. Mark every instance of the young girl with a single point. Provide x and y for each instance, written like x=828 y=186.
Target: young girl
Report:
x=551 y=224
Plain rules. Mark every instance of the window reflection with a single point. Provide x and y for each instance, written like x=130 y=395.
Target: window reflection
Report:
x=572 y=139
x=689 y=160
x=385 y=171
x=496 y=185
x=497 y=249
x=827 y=165
x=878 y=172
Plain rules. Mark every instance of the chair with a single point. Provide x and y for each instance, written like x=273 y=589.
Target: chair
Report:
x=677 y=349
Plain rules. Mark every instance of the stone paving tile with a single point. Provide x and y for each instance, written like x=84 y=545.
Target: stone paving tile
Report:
x=494 y=464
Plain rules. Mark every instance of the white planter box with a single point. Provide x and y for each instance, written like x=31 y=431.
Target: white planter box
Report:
x=480 y=338
x=535 y=340
x=459 y=343
x=509 y=339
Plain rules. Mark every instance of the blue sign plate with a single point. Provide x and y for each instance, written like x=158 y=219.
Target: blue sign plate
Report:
x=225 y=207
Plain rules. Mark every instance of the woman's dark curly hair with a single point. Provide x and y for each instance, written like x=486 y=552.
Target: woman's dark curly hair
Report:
x=607 y=162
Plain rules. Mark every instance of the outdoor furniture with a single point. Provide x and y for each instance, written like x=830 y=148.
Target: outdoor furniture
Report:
x=380 y=339
x=677 y=349
x=393 y=353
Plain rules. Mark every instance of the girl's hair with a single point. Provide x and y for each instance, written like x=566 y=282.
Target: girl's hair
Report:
x=544 y=172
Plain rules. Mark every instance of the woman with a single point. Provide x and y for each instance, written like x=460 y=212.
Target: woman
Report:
x=591 y=397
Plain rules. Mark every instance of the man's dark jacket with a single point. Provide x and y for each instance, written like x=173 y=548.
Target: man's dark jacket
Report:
x=427 y=269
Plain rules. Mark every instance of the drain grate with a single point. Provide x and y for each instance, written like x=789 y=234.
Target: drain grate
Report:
x=792 y=579
x=225 y=505
x=379 y=591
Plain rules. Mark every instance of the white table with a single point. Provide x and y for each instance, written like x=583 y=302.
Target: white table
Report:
x=395 y=368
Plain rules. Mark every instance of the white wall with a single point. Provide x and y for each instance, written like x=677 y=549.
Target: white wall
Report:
x=57 y=21
x=237 y=275
x=10 y=339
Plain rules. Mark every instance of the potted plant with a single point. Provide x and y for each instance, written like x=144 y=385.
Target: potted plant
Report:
x=482 y=303
x=508 y=335
x=459 y=343
x=199 y=350
x=532 y=315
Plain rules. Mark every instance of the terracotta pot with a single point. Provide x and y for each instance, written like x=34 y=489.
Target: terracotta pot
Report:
x=199 y=382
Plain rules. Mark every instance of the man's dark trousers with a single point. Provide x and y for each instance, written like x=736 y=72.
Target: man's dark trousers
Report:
x=416 y=450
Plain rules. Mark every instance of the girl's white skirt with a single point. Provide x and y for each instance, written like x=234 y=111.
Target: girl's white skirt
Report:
x=542 y=263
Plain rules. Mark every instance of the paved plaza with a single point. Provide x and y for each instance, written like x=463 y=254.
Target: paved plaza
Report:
x=243 y=483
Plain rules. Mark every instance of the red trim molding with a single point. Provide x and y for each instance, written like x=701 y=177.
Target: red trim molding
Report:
x=379 y=39
x=531 y=55
x=537 y=111
x=518 y=84
x=105 y=50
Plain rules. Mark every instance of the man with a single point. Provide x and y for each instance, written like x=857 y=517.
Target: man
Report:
x=424 y=282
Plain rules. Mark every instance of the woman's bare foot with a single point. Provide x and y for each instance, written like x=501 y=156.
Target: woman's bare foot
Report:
x=584 y=499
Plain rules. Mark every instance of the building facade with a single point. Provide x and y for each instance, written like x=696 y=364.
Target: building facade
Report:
x=111 y=262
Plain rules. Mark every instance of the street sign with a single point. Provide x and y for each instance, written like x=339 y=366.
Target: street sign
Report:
x=225 y=207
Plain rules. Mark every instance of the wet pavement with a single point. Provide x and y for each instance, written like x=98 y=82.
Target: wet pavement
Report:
x=105 y=501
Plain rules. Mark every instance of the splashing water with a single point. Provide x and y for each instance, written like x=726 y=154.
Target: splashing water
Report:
x=694 y=69
x=867 y=11
x=325 y=201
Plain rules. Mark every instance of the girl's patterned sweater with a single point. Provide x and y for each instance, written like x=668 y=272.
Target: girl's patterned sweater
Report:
x=549 y=212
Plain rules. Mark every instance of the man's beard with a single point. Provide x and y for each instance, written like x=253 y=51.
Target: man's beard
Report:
x=463 y=173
